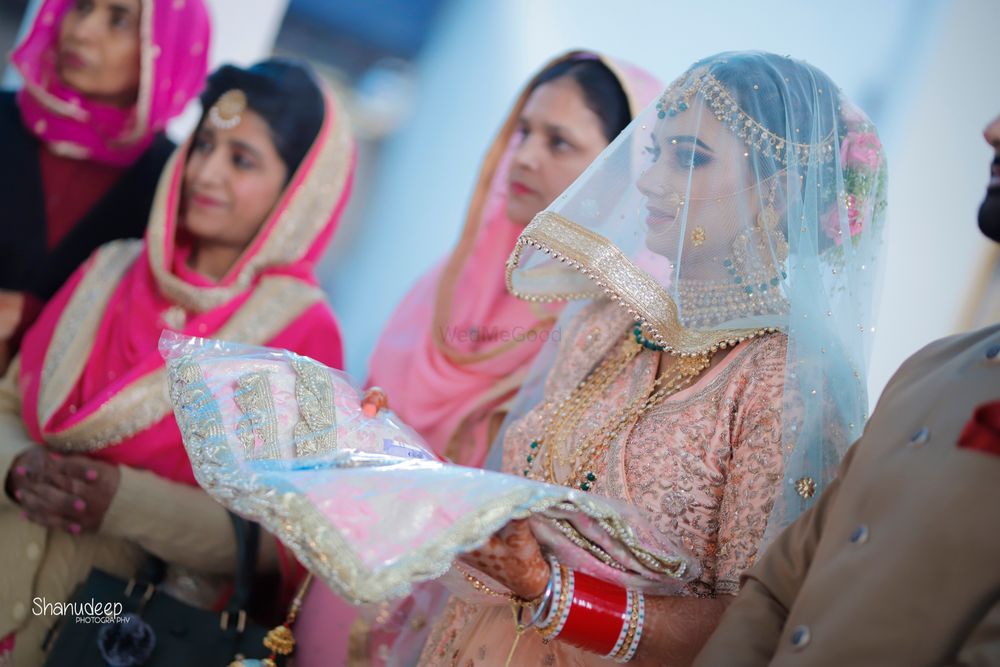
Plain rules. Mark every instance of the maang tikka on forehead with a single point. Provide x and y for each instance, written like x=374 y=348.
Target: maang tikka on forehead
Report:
x=677 y=99
x=225 y=114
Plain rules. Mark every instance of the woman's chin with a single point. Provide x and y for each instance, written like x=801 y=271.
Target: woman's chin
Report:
x=74 y=80
x=520 y=215
x=83 y=84
x=664 y=244
x=200 y=230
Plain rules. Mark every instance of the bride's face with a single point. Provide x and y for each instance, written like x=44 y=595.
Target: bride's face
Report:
x=697 y=190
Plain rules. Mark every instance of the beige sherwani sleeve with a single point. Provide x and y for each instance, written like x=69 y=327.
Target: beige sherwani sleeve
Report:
x=752 y=625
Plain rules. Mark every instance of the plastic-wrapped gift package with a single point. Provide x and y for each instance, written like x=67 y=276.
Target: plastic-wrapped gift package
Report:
x=358 y=497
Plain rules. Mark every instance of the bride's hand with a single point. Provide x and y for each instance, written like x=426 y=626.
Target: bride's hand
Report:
x=513 y=557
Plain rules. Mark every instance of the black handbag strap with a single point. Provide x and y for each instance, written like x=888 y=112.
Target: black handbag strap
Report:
x=247 y=534
x=247 y=548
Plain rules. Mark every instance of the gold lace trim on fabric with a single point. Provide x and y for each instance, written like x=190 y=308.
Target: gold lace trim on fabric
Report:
x=260 y=420
x=316 y=431
x=615 y=276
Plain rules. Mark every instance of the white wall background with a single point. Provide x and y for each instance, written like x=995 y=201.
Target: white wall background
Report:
x=938 y=170
x=925 y=70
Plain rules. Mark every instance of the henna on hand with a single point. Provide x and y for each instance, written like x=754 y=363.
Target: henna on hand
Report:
x=513 y=557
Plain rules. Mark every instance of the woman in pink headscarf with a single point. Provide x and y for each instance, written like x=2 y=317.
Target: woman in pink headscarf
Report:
x=458 y=346
x=95 y=471
x=83 y=138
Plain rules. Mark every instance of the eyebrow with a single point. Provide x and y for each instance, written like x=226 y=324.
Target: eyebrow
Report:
x=120 y=8
x=551 y=128
x=694 y=140
x=247 y=147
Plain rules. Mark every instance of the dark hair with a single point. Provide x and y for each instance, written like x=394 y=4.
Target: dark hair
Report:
x=284 y=93
x=602 y=92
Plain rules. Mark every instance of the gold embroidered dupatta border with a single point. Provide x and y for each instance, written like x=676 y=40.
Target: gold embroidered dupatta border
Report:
x=613 y=274
x=276 y=302
x=147 y=72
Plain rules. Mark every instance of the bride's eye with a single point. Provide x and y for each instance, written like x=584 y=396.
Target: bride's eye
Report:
x=688 y=158
x=654 y=148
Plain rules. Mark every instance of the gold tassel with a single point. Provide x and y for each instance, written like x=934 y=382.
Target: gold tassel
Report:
x=280 y=640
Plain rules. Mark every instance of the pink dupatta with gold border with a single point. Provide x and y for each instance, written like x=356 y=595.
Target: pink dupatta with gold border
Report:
x=175 y=39
x=91 y=378
x=454 y=392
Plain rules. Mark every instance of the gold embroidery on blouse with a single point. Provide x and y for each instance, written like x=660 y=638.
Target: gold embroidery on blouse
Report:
x=254 y=399
x=805 y=487
x=679 y=487
x=316 y=431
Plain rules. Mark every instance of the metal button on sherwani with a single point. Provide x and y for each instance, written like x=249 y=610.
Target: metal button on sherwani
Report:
x=921 y=436
x=800 y=636
x=860 y=535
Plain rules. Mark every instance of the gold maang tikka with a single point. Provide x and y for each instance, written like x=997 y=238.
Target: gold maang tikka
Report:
x=225 y=114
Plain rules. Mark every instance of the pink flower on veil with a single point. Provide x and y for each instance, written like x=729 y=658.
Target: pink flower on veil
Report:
x=861 y=150
x=863 y=178
x=855 y=221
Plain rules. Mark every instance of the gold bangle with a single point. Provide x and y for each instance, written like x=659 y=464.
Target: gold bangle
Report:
x=565 y=598
x=633 y=623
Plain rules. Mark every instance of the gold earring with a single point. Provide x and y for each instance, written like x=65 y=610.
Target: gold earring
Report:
x=677 y=201
x=768 y=216
x=697 y=236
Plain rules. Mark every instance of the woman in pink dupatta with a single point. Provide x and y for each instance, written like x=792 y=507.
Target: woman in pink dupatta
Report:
x=458 y=346
x=96 y=473
x=83 y=138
